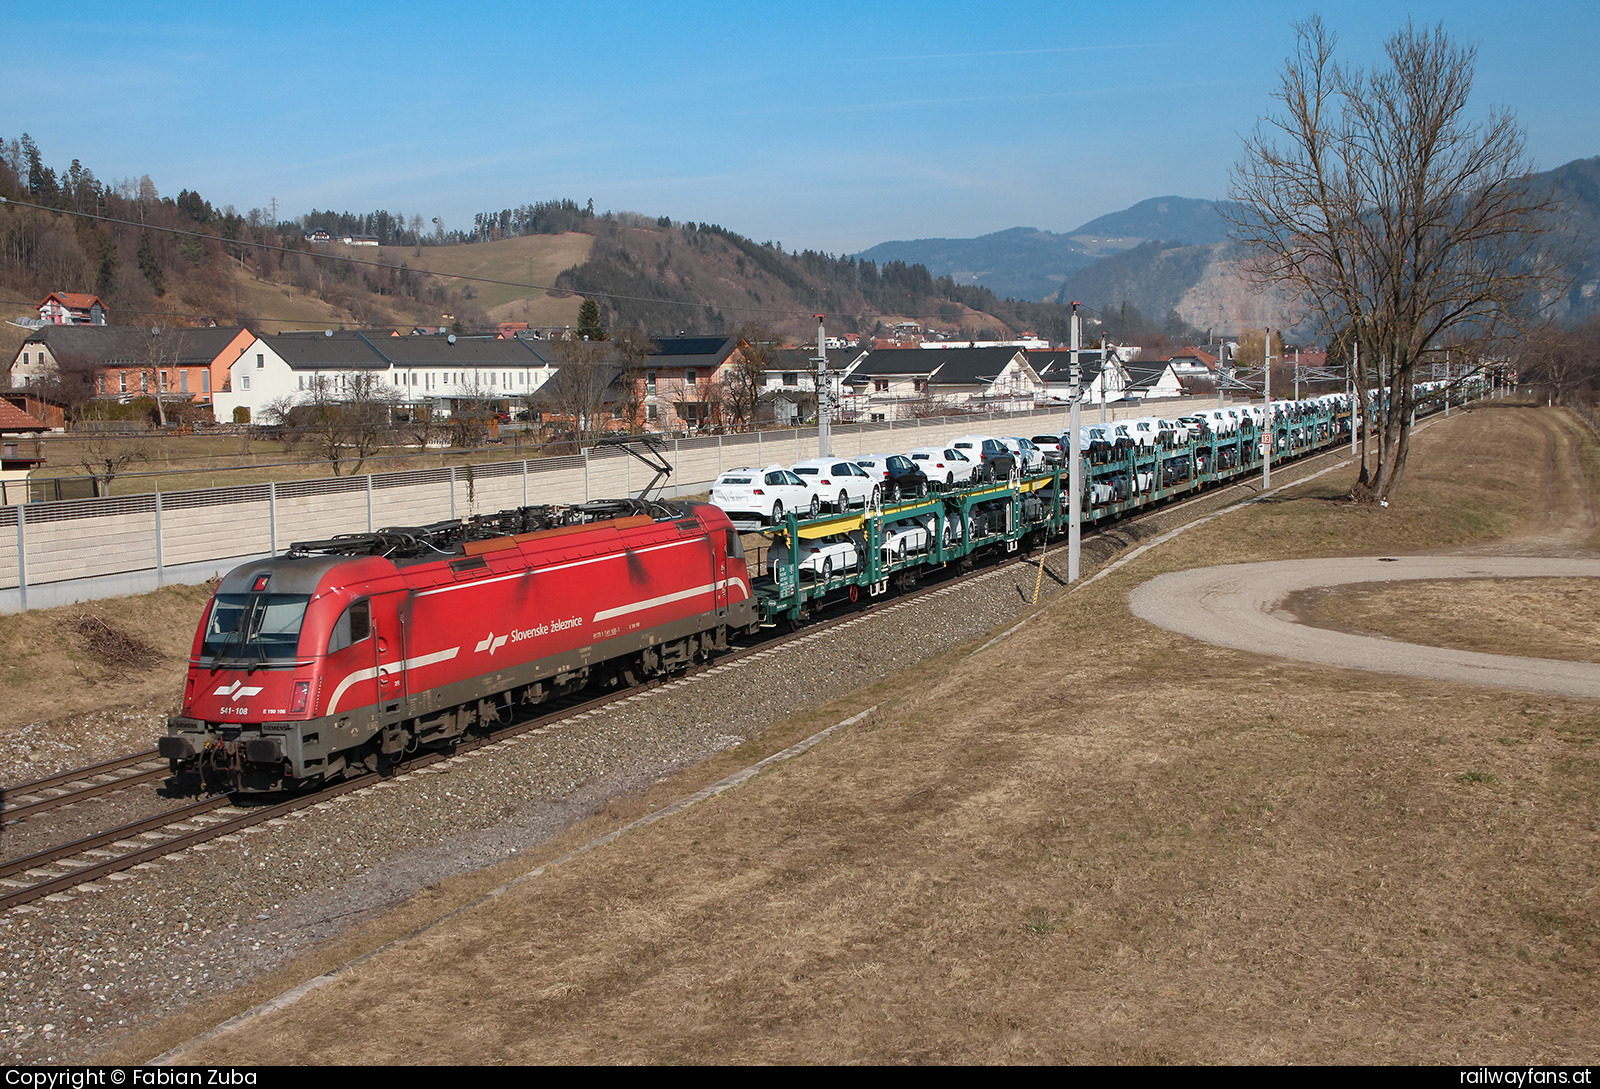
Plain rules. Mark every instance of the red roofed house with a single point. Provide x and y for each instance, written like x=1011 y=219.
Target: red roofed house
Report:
x=14 y=464
x=72 y=308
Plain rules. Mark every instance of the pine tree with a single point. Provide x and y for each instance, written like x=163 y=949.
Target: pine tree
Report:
x=589 y=323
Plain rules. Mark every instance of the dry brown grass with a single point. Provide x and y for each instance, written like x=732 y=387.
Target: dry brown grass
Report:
x=1534 y=618
x=531 y=259
x=1094 y=841
x=57 y=665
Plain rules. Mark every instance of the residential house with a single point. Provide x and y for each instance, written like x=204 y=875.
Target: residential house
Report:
x=183 y=364
x=1152 y=380
x=1193 y=363
x=16 y=462
x=681 y=386
x=899 y=383
x=72 y=308
x=119 y=361
x=446 y=372
x=787 y=389
x=1098 y=380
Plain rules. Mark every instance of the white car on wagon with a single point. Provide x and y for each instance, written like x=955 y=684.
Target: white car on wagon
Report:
x=946 y=466
x=840 y=482
x=764 y=495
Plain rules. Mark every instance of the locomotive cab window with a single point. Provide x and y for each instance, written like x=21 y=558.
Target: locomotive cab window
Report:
x=256 y=628
x=353 y=625
x=735 y=545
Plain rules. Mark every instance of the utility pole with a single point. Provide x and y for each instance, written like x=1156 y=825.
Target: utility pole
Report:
x=824 y=396
x=1075 y=473
x=1266 y=442
x=1222 y=371
x=1103 y=363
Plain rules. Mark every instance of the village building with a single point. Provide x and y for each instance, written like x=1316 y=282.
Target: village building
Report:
x=176 y=363
x=899 y=383
x=1152 y=380
x=72 y=308
x=447 y=373
x=1098 y=381
x=18 y=458
x=682 y=384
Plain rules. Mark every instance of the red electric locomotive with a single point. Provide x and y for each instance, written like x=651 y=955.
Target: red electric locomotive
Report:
x=349 y=653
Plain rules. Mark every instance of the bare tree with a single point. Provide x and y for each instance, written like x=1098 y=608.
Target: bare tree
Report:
x=1564 y=362
x=422 y=425
x=105 y=457
x=156 y=362
x=585 y=391
x=745 y=378
x=1375 y=198
x=632 y=349
x=277 y=421
x=347 y=415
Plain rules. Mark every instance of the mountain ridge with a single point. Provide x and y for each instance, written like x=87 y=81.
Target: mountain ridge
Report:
x=1031 y=263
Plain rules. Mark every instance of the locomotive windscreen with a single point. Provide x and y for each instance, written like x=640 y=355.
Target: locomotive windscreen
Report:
x=255 y=627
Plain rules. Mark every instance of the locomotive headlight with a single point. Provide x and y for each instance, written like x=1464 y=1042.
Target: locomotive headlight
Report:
x=302 y=693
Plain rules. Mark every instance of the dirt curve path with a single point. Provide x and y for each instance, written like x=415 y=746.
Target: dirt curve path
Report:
x=1238 y=606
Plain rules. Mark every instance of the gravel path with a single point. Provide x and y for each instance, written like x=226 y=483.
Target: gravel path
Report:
x=1238 y=606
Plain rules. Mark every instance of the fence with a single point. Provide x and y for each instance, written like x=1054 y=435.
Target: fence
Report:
x=56 y=552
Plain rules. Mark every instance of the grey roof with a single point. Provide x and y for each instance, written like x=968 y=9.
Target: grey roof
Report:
x=1143 y=375
x=437 y=351
x=971 y=366
x=941 y=366
x=344 y=350
x=359 y=349
x=1057 y=366
x=693 y=351
x=882 y=362
x=110 y=345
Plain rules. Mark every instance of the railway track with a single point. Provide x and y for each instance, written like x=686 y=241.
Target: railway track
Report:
x=27 y=799
x=58 y=870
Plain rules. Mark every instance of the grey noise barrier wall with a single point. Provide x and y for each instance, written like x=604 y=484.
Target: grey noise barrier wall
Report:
x=59 y=552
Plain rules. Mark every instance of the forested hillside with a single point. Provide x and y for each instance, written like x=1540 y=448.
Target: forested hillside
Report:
x=185 y=259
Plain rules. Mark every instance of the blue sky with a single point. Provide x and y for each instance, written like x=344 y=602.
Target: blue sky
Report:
x=824 y=125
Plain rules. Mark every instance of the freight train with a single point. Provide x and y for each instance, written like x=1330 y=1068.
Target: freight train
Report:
x=345 y=655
